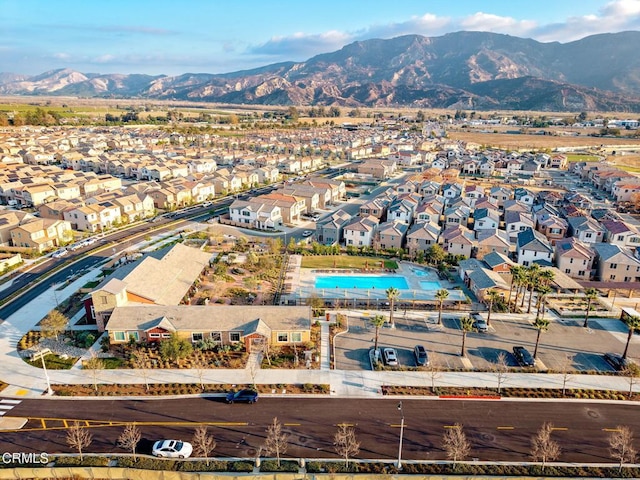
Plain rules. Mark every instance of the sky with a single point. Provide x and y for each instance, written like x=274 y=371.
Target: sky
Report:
x=171 y=37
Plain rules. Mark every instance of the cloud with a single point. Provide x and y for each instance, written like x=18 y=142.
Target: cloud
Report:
x=302 y=44
x=488 y=22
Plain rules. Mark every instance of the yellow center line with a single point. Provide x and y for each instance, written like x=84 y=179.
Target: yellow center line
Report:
x=397 y=425
x=101 y=423
x=450 y=426
x=345 y=425
x=560 y=428
x=44 y=425
x=292 y=424
x=505 y=428
x=65 y=423
x=610 y=430
x=86 y=422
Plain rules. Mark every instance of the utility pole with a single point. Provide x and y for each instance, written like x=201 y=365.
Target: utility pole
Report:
x=401 y=435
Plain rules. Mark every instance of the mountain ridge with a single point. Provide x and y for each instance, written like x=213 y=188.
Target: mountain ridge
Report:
x=479 y=70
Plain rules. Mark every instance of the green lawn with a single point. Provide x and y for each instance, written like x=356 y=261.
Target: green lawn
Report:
x=577 y=157
x=54 y=362
x=346 y=261
x=627 y=168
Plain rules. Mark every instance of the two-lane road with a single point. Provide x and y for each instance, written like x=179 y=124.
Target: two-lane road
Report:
x=497 y=430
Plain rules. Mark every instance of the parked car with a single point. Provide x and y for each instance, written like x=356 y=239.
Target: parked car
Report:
x=243 y=396
x=172 y=449
x=479 y=323
x=616 y=361
x=307 y=233
x=60 y=253
x=422 y=357
x=524 y=358
x=390 y=357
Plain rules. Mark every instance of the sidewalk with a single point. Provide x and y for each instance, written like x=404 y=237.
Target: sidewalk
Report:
x=26 y=381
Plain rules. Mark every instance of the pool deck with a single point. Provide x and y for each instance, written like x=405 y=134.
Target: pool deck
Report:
x=300 y=283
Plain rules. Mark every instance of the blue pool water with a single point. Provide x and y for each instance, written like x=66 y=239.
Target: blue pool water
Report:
x=419 y=273
x=425 y=285
x=361 y=281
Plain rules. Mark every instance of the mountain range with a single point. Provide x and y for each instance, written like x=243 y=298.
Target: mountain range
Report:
x=462 y=70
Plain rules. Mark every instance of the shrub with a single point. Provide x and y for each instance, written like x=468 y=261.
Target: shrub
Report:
x=272 y=466
x=240 y=466
x=146 y=463
x=87 y=461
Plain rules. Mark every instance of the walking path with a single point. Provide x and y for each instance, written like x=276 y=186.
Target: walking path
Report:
x=27 y=381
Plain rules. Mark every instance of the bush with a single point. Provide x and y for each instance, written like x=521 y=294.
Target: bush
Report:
x=91 y=461
x=240 y=467
x=146 y=463
x=201 y=466
x=272 y=466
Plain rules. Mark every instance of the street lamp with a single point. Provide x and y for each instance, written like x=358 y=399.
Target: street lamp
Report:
x=401 y=435
x=46 y=374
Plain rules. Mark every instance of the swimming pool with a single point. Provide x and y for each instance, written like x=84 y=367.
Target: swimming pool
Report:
x=361 y=281
x=430 y=285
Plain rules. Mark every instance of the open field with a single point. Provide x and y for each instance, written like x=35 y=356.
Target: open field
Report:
x=523 y=141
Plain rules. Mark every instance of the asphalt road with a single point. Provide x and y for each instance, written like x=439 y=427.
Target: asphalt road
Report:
x=497 y=430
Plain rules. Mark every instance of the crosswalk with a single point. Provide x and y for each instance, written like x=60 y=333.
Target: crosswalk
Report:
x=7 y=404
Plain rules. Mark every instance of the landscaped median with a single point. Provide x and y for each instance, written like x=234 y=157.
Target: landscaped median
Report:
x=478 y=393
x=169 y=389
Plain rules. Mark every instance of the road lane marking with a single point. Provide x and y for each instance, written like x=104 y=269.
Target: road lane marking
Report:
x=506 y=428
x=108 y=423
x=450 y=426
x=65 y=423
x=397 y=425
x=559 y=428
x=610 y=430
x=292 y=424
x=345 y=424
x=13 y=402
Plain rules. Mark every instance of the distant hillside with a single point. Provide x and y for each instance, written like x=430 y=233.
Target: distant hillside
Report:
x=470 y=70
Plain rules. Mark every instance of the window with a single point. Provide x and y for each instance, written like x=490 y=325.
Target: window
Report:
x=133 y=335
x=581 y=273
x=283 y=337
x=216 y=337
x=612 y=277
x=234 y=336
x=296 y=337
x=104 y=299
x=119 y=336
x=196 y=336
x=166 y=335
x=613 y=265
x=588 y=235
x=571 y=260
x=620 y=238
x=362 y=234
x=567 y=270
x=154 y=335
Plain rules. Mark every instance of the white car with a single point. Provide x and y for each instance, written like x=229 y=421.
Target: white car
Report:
x=172 y=449
x=60 y=253
x=307 y=233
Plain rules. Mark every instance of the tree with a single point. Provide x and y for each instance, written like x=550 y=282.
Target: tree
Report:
x=201 y=364
x=175 y=348
x=277 y=441
x=543 y=448
x=53 y=324
x=78 y=437
x=140 y=361
x=377 y=321
x=441 y=296
x=565 y=371
x=317 y=305
x=129 y=438
x=501 y=368
x=517 y=279
x=436 y=254
x=543 y=291
x=94 y=364
x=392 y=295
x=633 y=323
x=455 y=443
x=631 y=372
x=466 y=325
x=621 y=445
x=493 y=296
x=533 y=274
x=542 y=325
x=591 y=294
x=346 y=443
x=203 y=443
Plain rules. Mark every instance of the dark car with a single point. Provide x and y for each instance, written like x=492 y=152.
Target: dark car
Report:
x=422 y=357
x=246 y=396
x=524 y=358
x=616 y=361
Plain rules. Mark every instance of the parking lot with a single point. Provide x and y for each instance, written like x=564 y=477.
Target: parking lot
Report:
x=566 y=338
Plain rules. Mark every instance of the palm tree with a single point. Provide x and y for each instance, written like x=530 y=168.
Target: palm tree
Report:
x=520 y=277
x=493 y=296
x=466 y=325
x=533 y=275
x=591 y=294
x=543 y=291
x=441 y=296
x=377 y=321
x=633 y=323
x=515 y=273
x=392 y=294
x=542 y=325
x=546 y=277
